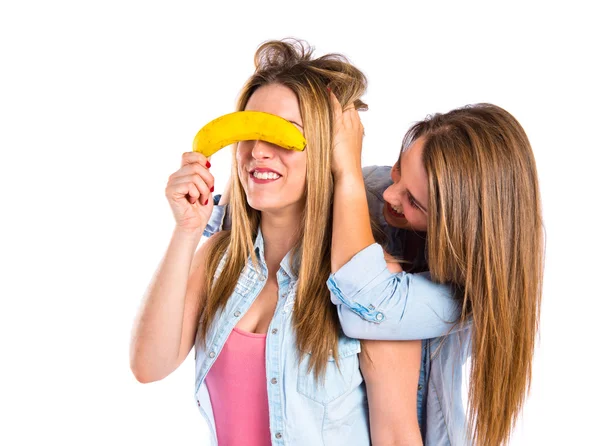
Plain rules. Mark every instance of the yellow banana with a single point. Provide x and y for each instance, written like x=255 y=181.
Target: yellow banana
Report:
x=244 y=126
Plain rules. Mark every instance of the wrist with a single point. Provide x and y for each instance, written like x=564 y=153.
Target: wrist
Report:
x=348 y=171
x=188 y=235
x=348 y=178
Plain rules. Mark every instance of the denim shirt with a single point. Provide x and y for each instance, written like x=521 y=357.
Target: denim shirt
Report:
x=302 y=411
x=376 y=304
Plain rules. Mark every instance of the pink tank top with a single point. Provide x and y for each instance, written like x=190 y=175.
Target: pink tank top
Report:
x=237 y=385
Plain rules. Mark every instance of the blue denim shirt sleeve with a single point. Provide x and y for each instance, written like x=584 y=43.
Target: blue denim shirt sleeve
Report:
x=374 y=303
x=217 y=218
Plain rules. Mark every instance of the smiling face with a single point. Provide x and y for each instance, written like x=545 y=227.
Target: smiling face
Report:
x=273 y=178
x=406 y=200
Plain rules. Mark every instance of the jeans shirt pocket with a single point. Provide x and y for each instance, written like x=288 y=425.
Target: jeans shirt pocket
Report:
x=335 y=381
x=247 y=281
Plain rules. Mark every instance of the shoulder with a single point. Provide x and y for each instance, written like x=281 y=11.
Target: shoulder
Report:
x=377 y=178
x=374 y=172
x=206 y=248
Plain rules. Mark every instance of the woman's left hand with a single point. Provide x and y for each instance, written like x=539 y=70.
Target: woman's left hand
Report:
x=348 y=134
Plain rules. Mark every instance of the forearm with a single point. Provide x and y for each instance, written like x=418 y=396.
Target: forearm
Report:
x=157 y=331
x=391 y=372
x=351 y=224
x=374 y=303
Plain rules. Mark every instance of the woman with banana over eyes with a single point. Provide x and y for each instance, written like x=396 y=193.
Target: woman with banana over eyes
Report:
x=272 y=364
x=460 y=211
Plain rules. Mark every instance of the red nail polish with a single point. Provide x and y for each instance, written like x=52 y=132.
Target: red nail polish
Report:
x=206 y=203
x=207 y=164
x=212 y=189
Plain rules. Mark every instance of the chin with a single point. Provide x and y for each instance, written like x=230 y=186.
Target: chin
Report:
x=264 y=204
x=399 y=225
x=257 y=205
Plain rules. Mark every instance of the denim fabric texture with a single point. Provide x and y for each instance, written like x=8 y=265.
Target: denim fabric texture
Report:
x=302 y=411
x=376 y=304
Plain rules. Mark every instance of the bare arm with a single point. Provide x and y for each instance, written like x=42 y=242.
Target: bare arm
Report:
x=391 y=372
x=165 y=326
x=349 y=193
x=349 y=188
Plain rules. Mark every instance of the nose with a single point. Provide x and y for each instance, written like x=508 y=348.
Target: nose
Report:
x=394 y=193
x=262 y=150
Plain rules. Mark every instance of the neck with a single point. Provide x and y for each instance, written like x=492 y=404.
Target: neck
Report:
x=280 y=234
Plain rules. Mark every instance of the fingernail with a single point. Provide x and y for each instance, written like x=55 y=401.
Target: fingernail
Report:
x=212 y=189
x=206 y=203
x=207 y=164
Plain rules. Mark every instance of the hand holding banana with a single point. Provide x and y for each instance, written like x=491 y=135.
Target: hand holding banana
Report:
x=189 y=189
x=189 y=192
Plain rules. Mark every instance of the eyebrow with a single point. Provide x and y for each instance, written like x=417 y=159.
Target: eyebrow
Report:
x=417 y=201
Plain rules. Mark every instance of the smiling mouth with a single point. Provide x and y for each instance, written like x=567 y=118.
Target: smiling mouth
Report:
x=262 y=177
x=393 y=212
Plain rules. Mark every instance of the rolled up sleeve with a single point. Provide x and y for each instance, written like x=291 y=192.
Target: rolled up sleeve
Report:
x=374 y=303
x=215 y=222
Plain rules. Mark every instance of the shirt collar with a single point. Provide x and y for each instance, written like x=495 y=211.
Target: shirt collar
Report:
x=287 y=262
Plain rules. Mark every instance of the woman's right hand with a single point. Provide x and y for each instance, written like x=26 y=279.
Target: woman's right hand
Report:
x=348 y=135
x=189 y=192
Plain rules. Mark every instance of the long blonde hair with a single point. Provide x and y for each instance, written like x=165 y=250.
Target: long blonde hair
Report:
x=290 y=63
x=485 y=236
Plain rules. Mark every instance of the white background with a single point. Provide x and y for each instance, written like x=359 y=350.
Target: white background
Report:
x=99 y=99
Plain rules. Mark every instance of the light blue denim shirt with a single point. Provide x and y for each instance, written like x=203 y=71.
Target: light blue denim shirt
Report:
x=301 y=411
x=376 y=304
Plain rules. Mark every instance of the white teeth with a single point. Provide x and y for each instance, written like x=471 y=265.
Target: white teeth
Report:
x=266 y=175
x=398 y=210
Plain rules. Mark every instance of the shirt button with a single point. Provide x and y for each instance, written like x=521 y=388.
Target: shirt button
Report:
x=379 y=316
x=274 y=331
x=211 y=355
x=420 y=387
x=198 y=403
x=278 y=435
x=237 y=314
x=273 y=380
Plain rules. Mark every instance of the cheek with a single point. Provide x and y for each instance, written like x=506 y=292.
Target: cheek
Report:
x=295 y=164
x=239 y=159
x=243 y=150
x=242 y=155
x=418 y=220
